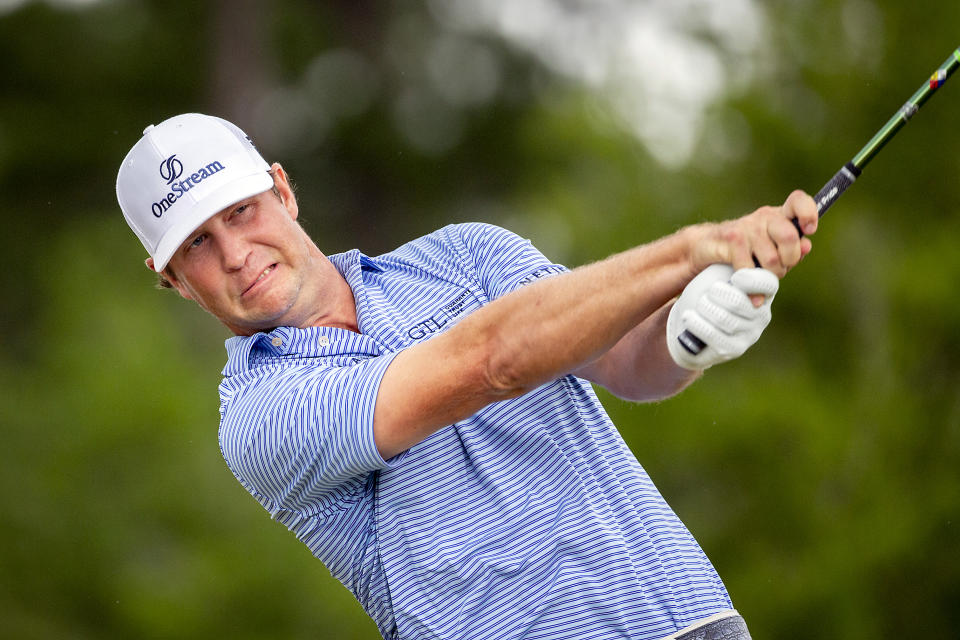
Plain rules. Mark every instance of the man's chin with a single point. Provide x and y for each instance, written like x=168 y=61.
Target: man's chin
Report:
x=260 y=320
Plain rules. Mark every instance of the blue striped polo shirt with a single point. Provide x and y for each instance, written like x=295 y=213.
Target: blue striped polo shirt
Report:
x=530 y=519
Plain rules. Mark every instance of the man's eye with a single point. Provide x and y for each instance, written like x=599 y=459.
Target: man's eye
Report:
x=198 y=241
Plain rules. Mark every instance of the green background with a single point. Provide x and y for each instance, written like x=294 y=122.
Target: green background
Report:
x=819 y=472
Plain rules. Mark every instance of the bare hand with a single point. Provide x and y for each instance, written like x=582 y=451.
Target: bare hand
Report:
x=767 y=234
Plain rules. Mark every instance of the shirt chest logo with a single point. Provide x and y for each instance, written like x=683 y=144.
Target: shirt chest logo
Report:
x=440 y=318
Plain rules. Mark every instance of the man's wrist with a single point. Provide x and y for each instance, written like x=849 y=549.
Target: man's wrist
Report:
x=694 y=238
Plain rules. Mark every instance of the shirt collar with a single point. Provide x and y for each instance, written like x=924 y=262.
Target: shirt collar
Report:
x=353 y=263
x=244 y=352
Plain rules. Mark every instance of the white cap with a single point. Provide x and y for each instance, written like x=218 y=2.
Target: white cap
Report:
x=182 y=172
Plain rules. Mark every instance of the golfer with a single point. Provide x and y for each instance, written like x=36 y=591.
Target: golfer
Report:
x=424 y=421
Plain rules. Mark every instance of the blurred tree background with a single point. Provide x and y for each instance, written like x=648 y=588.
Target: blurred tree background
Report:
x=819 y=472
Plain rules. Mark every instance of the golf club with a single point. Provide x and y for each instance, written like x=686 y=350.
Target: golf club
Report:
x=849 y=172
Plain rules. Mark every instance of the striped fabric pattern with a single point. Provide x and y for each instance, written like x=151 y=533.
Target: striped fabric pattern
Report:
x=532 y=519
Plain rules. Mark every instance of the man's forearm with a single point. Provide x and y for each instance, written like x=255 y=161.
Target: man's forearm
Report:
x=563 y=323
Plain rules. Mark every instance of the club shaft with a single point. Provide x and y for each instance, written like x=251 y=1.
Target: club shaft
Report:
x=850 y=171
x=907 y=111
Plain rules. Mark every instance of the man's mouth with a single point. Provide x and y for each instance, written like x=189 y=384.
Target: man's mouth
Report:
x=262 y=275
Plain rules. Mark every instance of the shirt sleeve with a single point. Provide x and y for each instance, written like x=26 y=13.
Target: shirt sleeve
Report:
x=502 y=260
x=299 y=437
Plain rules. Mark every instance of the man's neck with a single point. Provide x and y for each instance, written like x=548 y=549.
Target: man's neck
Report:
x=334 y=304
x=342 y=313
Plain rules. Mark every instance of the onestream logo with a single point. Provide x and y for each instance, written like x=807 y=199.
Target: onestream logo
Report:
x=170 y=170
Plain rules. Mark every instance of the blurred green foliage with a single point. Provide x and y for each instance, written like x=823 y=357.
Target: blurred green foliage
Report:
x=819 y=472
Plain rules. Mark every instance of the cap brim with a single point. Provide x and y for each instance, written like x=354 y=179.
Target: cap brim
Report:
x=212 y=204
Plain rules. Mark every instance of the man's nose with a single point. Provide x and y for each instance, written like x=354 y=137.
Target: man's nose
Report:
x=234 y=251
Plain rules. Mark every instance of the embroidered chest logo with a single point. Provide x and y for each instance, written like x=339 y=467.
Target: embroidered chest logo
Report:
x=440 y=318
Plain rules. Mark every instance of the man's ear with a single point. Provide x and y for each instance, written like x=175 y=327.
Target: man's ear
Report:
x=171 y=278
x=281 y=183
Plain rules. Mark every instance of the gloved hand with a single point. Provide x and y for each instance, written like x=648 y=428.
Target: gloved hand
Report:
x=716 y=308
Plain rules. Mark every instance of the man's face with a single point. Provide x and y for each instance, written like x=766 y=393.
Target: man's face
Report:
x=251 y=264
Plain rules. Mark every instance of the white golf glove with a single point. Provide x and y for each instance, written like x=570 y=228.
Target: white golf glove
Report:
x=715 y=307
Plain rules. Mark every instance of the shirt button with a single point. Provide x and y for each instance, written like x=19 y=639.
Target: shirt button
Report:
x=324 y=341
x=277 y=342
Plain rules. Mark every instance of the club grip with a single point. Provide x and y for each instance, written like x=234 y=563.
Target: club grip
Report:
x=835 y=186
